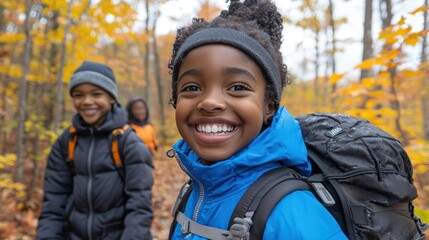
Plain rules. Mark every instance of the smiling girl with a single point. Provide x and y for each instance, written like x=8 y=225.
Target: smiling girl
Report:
x=227 y=80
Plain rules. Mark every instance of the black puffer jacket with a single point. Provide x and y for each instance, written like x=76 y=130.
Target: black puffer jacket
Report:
x=95 y=202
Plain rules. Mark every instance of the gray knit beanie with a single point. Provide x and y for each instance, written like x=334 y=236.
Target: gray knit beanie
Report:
x=97 y=74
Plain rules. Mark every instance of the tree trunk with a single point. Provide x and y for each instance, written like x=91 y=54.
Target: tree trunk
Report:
x=146 y=89
x=50 y=107
x=425 y=97
x=367 y=38
x=60 y=82
x=386 y=15
x=316 y=69
x=334 y=50
x=19 y=173
x=158 y=78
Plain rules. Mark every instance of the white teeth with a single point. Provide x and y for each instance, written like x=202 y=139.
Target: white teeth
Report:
x=224 y=128
x=217 y=128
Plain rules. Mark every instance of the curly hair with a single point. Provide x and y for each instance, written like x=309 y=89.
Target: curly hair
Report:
x=259 y=19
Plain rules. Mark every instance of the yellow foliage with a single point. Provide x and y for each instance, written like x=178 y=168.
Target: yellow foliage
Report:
x=7 y=160
x=419 y=9
x=15 y=71
x=11 y=4
x=366 y=64
x=10 y=37
x=401 y=21
x=368 y=83
x=412 y=39
x=354 y=90
x=403 y=31
x=408 y=73
x=335 y=77
x=418 y=151
x=391 y=54
x=4 y=69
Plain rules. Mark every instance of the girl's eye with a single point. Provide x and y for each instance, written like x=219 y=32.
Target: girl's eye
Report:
x=76 y=95
x=190 y=88
x=239 y=87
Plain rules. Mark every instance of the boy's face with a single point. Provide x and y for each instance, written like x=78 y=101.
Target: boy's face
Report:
x=139 y=111
x=91 y=103
x=221 y=104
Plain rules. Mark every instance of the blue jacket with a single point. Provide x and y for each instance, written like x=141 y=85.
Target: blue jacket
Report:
x=218 y=188
x=94 y=202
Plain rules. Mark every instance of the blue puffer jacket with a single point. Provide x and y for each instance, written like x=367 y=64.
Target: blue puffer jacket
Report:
x=218 y=188
x=95 y=202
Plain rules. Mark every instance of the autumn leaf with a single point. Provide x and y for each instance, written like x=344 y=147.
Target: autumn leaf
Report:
x=420 y=9
x=334 y=78
x=391 y=54
x=401 y=21
x=366 y=64
x=412 y=39
x=368 y=82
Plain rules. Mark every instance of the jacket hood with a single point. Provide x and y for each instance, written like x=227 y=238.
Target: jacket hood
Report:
x=116 y=118
x=131 y=117
x=279 y=145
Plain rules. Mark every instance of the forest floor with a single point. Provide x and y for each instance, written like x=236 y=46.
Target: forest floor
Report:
x=168 y=178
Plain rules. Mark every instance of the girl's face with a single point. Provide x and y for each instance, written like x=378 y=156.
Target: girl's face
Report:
x=221 y=104
x=138 y=109
x=91 y=103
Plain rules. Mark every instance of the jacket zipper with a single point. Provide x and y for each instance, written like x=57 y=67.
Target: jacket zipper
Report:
x=201 y=196
x=89 y=189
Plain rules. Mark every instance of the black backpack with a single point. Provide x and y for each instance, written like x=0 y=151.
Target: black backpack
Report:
x=361 y=174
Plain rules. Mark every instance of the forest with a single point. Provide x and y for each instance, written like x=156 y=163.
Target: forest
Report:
x=43 y=41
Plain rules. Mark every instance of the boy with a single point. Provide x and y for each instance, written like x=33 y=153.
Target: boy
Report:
x=86 y=197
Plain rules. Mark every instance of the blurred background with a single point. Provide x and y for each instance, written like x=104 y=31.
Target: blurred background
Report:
x=366 y=58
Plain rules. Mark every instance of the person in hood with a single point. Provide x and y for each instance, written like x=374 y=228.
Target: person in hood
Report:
x=227 y=81
x=138 y=118
x=88 y=198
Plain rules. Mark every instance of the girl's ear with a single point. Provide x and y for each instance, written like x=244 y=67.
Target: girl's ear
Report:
x=269 y=112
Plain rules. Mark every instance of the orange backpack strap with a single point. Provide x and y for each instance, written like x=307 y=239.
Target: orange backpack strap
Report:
x=71 y=146
x=116 y=153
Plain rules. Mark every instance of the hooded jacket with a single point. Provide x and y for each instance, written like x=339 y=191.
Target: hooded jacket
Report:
x=218 y=188
x=92 y=201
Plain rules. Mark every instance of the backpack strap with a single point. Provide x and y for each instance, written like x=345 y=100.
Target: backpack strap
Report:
x=117 y=145
x=180 y=204
x=252 y=211
x=72 y=139
x=262 y=196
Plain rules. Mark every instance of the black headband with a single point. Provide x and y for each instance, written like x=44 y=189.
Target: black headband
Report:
x=235 y=39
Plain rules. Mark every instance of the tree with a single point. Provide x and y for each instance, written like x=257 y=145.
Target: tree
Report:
x=423 y=61
x=60 y=81
x=146 y=90
x=367 y=38
x=313 y=23
x=158 y=80
x=334 y=48
x=19 y=171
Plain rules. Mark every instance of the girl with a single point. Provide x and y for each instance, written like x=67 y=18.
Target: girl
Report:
x=227 y=81
x=138 y=118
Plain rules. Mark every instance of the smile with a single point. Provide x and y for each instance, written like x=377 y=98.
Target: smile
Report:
x=215 y=128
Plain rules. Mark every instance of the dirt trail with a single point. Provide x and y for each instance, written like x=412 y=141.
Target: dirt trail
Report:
x=168 y=179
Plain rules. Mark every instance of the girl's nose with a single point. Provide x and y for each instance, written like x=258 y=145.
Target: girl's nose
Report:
x=212 y=102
